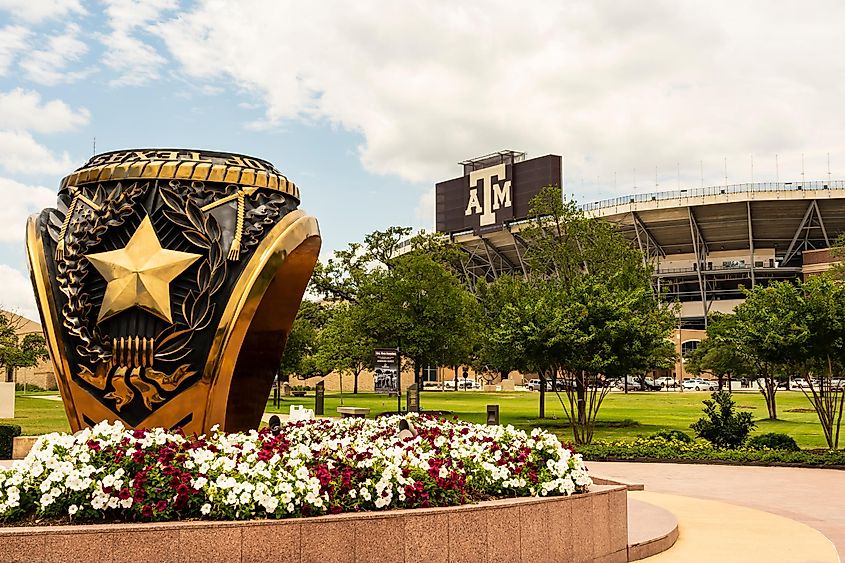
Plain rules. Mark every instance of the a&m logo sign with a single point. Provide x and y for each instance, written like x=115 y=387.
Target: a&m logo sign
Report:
x=487 y=196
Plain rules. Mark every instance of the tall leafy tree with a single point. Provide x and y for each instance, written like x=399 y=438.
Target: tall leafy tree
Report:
x=824 y=311
x=344 y=345
x=718 y=354
x=420 y=306
x=771 y=332
x=575 y=260
x=405 y=294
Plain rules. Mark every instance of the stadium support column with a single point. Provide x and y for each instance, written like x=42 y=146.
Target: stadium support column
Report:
x=750 y=242
x=701 y=252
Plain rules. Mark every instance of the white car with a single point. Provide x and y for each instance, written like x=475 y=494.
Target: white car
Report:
x=666 y=381
x=700 y=385
x=534 y=385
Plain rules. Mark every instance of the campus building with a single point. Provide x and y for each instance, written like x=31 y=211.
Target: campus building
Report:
x=704 y=244
x=41 y=374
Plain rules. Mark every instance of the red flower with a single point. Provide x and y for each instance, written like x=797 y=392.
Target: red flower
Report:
x=161 y=506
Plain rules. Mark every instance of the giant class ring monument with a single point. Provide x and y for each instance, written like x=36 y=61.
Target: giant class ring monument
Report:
x=167 y=282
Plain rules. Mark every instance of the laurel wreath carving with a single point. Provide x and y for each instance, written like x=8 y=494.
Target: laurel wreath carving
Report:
x=73 y=268
x=203 y=232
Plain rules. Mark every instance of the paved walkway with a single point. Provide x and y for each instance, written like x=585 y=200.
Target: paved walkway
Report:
x=711 y=531
x=815 y=497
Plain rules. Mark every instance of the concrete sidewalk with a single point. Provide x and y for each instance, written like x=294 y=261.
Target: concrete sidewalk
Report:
x=815 y=497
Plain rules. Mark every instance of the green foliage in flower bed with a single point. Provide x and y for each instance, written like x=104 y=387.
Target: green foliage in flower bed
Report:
x=701 y=451
x=7 y=434
x=772 y=441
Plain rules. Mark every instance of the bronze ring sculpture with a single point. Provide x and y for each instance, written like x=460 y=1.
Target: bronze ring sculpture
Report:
x=167 y=282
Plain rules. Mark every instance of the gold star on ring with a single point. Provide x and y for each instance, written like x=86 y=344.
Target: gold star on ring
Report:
x=139 y=274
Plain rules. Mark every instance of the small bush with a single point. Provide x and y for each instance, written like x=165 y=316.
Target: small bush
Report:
x=7 y=433
x=28 y=387
x=773 y=441
x=721 y=425
x=673 y=435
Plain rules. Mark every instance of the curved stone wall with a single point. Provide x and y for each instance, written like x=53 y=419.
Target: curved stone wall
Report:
x=587 y=527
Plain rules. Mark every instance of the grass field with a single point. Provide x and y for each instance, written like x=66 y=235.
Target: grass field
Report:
x=622 y=416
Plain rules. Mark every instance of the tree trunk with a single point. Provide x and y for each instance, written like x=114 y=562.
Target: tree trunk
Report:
x=456 y=378
x=581 y=393
x=418 y=374
x=730 y=383
x=355 y=382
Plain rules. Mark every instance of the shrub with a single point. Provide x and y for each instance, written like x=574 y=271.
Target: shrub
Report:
x=7 y=433
x=673 y=435
x=773 y=441
x=721 y=425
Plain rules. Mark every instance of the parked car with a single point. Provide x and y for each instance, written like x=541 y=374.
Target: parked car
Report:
x=799 y=383
x=666 y=382
x=637 y=384
x=699 y=385
x=468 y=384
x=534 y=385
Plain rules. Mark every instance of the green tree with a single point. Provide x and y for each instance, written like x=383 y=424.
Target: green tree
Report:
x=824 y=353
x=771 y=332
x=299 y=358
x=717 y=354
x=17 y=351
x=490 y=353
x=343 y=344
x=420 y=306
x=574 y=259
x=406 y=294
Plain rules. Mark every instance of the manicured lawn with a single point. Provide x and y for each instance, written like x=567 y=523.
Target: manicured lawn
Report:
x=622 y=416
x=38 y=416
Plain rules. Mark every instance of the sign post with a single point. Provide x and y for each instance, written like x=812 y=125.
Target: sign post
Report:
x=319 y=399
x=387 y=378
x=413 y=398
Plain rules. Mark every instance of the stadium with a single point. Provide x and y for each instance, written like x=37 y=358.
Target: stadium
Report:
x=704 y=244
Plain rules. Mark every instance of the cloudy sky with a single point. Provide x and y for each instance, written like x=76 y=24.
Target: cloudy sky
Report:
x=366 y=105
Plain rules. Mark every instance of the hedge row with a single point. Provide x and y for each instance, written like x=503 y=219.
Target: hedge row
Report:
x=668 y=450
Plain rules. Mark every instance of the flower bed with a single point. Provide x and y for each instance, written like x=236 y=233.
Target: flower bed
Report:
x=311 y=468
x=671 y=450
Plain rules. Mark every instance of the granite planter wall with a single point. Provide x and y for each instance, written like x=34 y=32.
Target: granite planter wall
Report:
x=586 y=527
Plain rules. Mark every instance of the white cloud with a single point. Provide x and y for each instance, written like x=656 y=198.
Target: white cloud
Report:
x=23 y=110
x=13 y=40
x=21 y=154
x=48 y=66
x=612 y=86
x=16 y=294
x=39 y=10
x=19 y=202
x=424 y=212
x=135 y=61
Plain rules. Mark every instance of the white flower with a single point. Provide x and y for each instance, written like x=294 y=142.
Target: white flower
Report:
x=206 y=508
x=72 y=509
